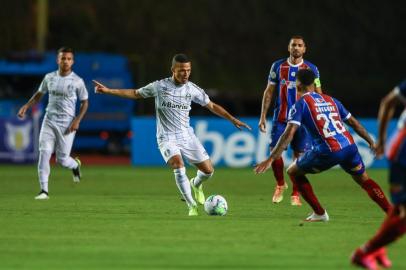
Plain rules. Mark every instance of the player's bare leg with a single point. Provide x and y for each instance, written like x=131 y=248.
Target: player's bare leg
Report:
x=306 y=190
x=374 y=190
x=205 y=172
x=182 y=182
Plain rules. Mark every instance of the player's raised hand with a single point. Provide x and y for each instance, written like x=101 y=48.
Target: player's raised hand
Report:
x=22 y=111
x=263 y=166
x=239 y=124
x=99 y=88
x=262 y=125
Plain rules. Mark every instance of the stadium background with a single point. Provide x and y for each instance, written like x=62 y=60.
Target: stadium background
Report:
x=130 y=217
x=357 y=45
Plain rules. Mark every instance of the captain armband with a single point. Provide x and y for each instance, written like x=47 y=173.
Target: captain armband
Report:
x=317 y=82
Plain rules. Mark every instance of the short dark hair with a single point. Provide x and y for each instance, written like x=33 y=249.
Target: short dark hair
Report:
x=65 y=50
x=180 y=58
x=306 y=77
x=297 y=37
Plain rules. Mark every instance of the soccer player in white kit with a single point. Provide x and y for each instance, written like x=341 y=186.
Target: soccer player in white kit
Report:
x=176 y=138
x=60 y=123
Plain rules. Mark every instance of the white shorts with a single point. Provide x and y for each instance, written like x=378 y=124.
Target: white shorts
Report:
x=190 y=148
x=52 y=138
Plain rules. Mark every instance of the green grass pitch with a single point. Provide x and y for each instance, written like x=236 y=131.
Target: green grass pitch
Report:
x=132 y=218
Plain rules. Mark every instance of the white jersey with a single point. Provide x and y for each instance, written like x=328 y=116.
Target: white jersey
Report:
x=64 y=92
x=172 y=106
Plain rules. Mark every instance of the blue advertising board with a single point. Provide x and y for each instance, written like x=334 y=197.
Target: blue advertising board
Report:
x=229 y=146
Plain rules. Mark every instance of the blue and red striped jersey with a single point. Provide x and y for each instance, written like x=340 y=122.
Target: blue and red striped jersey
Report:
x=323 y=117
x=400 y=91
x=283 y=75
x=396 y=152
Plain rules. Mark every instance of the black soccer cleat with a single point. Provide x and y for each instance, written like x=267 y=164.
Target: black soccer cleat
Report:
x=77 y=175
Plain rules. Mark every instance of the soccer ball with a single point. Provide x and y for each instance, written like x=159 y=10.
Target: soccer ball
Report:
x=215 y=205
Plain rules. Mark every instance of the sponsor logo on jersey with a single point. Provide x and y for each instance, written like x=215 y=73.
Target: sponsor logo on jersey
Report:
x=168 y=104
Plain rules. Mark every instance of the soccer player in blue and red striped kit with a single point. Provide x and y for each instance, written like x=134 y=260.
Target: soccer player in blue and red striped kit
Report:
x=394 y=225
x=281 y=93
x=323 y=117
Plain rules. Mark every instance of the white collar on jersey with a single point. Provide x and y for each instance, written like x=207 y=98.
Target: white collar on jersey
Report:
x=57 y=72
x=179 y=84
x=292 y=65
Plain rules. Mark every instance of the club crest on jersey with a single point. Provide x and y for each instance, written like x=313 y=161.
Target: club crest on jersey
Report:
x=188 y=96
x=283 y=81
x=319 y=100
x=18 y=136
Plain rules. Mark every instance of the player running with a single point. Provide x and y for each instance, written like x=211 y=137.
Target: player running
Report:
x=323 y=117
x=60 y=123
x=281 y=91
x=176 y=138
x=394 y=225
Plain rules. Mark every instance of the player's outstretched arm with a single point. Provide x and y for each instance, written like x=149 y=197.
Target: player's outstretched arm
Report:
x=33 y=100
x=361 y=131
x=124 y=93
x=267 y=100
x=386 y=111
x=282 y=144
x=220 y=111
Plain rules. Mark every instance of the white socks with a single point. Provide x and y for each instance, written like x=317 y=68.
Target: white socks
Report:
x=44 y=169
x=67 y=162
x=184 y=186
x=200 y=178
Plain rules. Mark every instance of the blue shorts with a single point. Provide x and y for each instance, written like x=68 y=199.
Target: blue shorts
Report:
x=397 y=178
x=348 y=158
x=301 y=141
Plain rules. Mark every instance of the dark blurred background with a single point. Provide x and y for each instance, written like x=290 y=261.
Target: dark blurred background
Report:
x=357 y=45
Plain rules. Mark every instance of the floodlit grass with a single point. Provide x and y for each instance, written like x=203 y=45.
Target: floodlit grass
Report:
x=132 y=218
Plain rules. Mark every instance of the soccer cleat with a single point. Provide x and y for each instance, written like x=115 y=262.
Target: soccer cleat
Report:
x=318 y=218
x=278 y=193
x=42 y=195
x=382 y=258
x=295 y=200
x=360 y=258
x=77 y=175
x=193 y=211
x=198 y=191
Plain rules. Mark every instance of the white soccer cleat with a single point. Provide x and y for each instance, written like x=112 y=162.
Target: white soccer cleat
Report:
x=318 y=218
x=295 y=200
x=278 y=193
x=43 y=195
